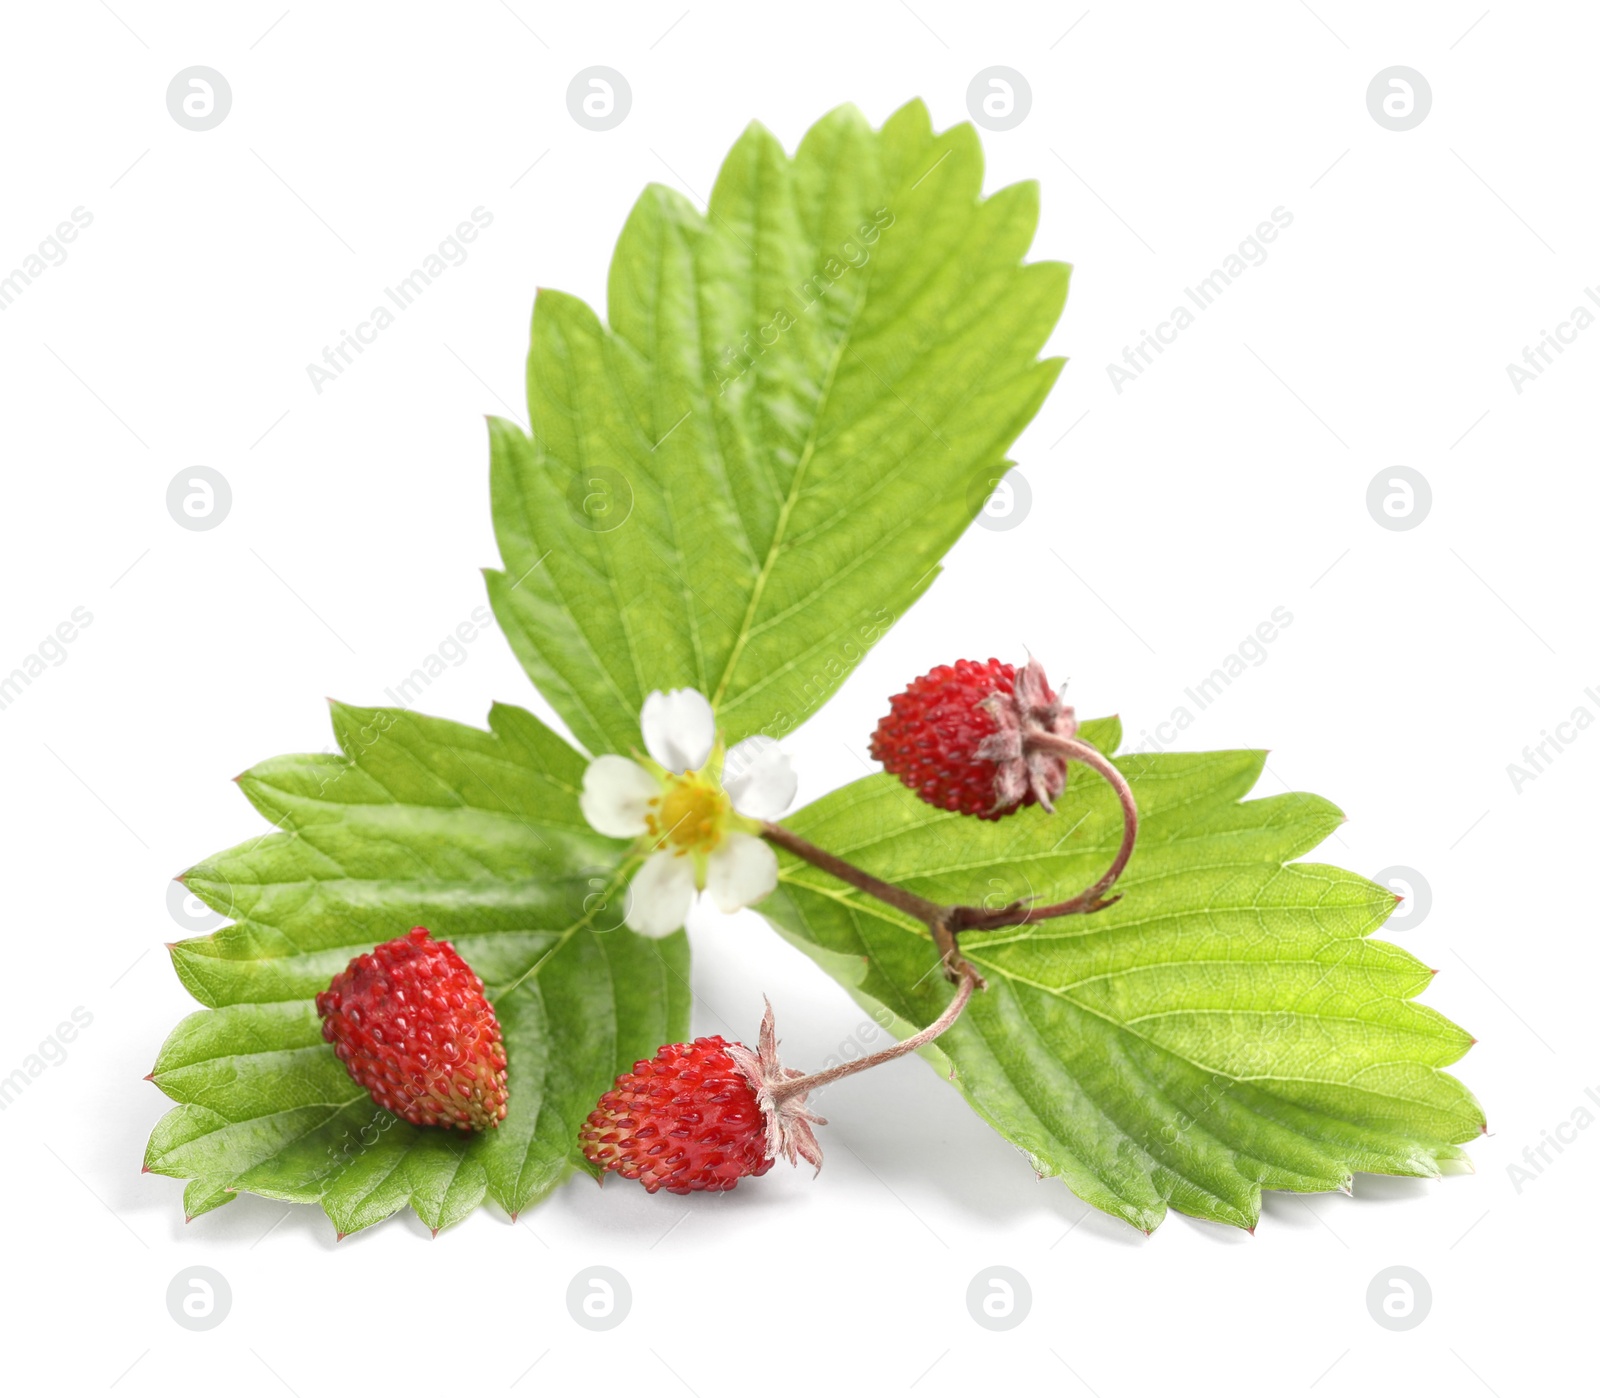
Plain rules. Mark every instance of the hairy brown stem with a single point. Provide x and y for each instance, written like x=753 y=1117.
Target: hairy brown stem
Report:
x=945 y=922
x=970 y=981
x=1090 y=900
x=919 y=907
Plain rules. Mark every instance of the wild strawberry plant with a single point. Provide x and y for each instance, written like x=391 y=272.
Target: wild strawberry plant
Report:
x=732 y=484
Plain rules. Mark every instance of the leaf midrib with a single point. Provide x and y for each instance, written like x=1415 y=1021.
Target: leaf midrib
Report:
x=1161 y=1048
x=780 y=527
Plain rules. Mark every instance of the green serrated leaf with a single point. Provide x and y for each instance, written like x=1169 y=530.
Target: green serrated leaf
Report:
x=476 y=835
x=1227 y=1027
x=801 y=400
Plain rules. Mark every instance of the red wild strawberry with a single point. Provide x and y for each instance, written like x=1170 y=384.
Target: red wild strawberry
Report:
x=956 y=738
x=701 y=1115
x=410 y=1023
x=684 y=1120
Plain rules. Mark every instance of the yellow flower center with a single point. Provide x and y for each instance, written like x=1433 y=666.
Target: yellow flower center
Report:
x=690 y=814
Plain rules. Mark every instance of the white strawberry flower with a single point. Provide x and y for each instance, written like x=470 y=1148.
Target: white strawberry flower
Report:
x=696 y=808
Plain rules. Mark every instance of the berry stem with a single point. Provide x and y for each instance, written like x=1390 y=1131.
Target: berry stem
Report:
x=970 y=981
x=923 y=909
x=942 y=922
x=1090 y=900
x=945 y=922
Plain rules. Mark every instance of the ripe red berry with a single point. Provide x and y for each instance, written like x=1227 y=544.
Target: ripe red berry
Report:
x=957 y=736
x=410 y=1023
x=931 y=735
x=687 y=1119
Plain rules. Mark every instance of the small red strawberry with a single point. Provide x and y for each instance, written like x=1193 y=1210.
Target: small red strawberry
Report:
x=701 y=1115
x=410 y=1023
x=957 y=737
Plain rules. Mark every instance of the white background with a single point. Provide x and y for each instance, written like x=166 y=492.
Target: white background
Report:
x=1166 y=522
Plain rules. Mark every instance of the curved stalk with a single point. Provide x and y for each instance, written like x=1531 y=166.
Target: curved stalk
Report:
x=791 y=1087
x=944 y=922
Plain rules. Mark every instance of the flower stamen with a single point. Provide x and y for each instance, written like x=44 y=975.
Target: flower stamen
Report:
x=690 y=814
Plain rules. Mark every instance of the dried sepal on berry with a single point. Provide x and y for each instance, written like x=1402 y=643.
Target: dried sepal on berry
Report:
x=1024 y=769
x=986 y=740
x=789 y=1124
x=957 y=736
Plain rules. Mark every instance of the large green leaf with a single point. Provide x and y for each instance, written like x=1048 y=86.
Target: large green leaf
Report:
x=1227 y=1027
x=801 y=400
x=476 y=835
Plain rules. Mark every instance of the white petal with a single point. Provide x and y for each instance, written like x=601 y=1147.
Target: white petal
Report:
x=660 y=894
x=758 y=778
x=616 y=795
x=679 y=728
x=741 y=870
